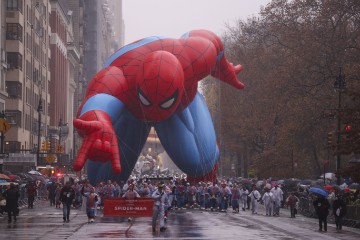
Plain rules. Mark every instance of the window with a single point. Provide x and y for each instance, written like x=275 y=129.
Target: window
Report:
x=27 y=97
x=35 y=126
x=27 y=122
x=27 y=40
x=44 y=12
x=28 y=70
x=36 y=99
x=14 y=59
x=14 y=89
x=36 y=76
x=12 y=147
x=38 y=29
x=14 y=117
x=14 y=5
x=14 y=31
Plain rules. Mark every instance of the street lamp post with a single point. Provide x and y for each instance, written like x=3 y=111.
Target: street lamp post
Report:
x=340 y=86
x=60 y=146
x=39 y=109
x=2 y=136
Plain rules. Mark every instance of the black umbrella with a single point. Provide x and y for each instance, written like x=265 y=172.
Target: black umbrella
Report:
x=25 y=177
x=306 y=182
x=354 y=186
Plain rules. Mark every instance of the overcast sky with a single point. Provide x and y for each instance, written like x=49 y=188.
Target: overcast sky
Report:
x=172 y=18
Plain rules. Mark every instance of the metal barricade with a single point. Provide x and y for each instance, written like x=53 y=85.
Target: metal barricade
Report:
x=351 y=219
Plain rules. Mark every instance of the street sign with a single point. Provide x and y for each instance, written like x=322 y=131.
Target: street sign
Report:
x=50 y=158
x=121 y=207
x=4 y=155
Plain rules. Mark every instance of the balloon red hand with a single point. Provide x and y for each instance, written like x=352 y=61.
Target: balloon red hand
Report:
x=99 y=142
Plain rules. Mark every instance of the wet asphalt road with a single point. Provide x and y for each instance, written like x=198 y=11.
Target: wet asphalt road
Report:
x=45 y=222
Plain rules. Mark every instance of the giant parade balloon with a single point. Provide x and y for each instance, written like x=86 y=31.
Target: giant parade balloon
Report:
x=153 y=82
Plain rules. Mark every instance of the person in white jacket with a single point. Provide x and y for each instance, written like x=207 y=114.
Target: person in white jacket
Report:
x=255 y=198
x=160 y=202
x=243 y=197
x=268 y=199
x=278 y=198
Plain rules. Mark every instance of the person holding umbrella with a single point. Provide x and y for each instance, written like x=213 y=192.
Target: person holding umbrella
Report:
x=321 y=205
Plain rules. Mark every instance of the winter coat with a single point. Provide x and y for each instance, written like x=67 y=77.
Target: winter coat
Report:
x=91 y=200
x=291 y=201
x=12 y=197
x=131 y=194
x=339 y=207
x=268 y=198
x=31 y=190
x=160 y=198
x=67 y=195
x=321 y=206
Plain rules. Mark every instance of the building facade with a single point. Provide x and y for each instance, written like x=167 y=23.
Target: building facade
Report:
x=103 y=33
x=50 y=50
x=4 y=65
x=77 y=71
x=27 y=77
x=39 y=79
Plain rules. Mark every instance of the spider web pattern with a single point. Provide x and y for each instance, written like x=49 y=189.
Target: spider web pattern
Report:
x=99 y=140
x=111 y=81
x=162 y=78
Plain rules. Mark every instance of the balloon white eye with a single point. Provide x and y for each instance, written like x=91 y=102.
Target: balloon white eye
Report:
x=143 y=99
x=167 y=104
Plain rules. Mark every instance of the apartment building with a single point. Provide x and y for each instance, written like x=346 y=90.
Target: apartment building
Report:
x=39 y=77
x=77 y=13
x=50 y=49
x=64 y=74
x=27 y=77
x=3 y=66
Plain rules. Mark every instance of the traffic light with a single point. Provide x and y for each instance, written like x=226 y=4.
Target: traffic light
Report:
x=347 y=128
x=52 y=171
x=59 y=148
x=330 y=138
x=47 y=145
x=347 y=142
x=52 y=145
x=44 y=145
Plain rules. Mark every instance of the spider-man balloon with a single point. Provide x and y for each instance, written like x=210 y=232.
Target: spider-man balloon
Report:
x=153 y=83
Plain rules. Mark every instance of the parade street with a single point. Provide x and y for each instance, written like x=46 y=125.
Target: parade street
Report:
x=45 y=222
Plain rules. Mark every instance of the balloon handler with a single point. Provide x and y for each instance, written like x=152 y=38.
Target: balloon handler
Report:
x=153 y=82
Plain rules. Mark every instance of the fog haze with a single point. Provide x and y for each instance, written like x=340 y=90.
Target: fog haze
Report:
x=172 y=18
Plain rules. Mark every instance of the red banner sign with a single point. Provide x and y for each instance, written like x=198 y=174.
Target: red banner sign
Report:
x=121 y=207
